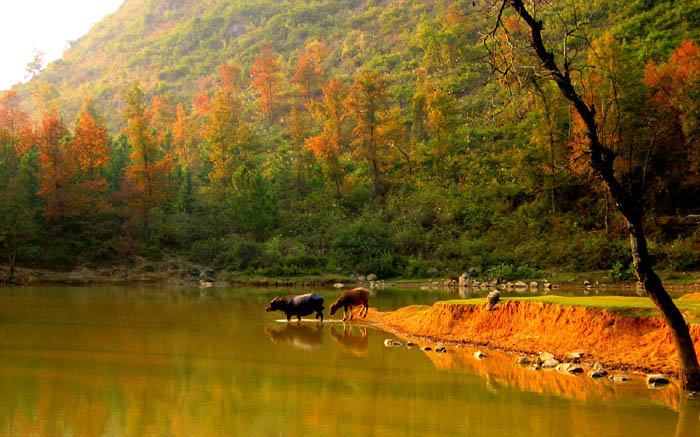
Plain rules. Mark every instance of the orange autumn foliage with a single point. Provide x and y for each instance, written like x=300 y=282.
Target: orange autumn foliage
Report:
x=266 y=78
x=58 y=168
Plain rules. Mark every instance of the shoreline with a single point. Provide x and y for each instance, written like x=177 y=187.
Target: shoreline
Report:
x=622 y=343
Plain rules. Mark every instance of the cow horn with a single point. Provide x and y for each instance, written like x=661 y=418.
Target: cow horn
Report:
x=276 y=297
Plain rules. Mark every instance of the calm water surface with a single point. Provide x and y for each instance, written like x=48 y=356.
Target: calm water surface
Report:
x=109 y=361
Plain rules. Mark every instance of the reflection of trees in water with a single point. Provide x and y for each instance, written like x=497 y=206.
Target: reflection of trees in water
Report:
x=351 y=343
x=300 y=336
x=688 y=418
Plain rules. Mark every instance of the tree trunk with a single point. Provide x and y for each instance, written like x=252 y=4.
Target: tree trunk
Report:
x=601 y=160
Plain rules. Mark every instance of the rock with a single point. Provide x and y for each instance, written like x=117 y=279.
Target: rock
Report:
x=547 y=285
x=440 y=348
x=586 y=283
x=426 y=349
x=550 y=364
x=338 y=285
x=479 y=355
x=534 y=367
x=372 y=277
x=432 y=271
x=410 y=344
x=619 y=378
x=465 y=280
x=597 y=373
x=599 y=366
x=575 y=356
x=205 y=284
x=534 y=284
x=397 y=344
x=657 y=379
x=520 y=284
x=493 y=298
x=524 y=360
x=361 y=278
x=388 y=342
x=570 y=368
x=544 y=356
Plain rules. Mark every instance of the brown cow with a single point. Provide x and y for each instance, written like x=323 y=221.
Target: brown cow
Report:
x=351 y=298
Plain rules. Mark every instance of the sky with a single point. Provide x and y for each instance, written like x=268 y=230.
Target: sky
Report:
x=45 y=25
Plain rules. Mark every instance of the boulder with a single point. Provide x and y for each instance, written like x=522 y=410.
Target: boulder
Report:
x=544 y=356
x=597 y=373
x=388 y=342
x=547 y=285
x=338 y=285
x=440 y=348
x=479 y=355
x=465 y=280
x=570 y=368
x=371 y=277
x=575 y=356
x=410 y=344
x=520 y=284
x=426 y=349
x=657 y=379
x=524 y=360
x=397 y=344
x=534 y=285
x=550 y=364
x=619 y=378
x=362 y=278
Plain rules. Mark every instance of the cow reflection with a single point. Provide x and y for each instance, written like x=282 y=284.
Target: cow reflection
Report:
x=303 y=337
x=350 y=343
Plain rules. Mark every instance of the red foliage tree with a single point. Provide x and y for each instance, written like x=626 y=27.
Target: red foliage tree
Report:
x=266 y=79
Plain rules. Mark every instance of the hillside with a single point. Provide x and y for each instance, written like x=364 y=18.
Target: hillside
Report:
x=347 y=136
x=174 y=47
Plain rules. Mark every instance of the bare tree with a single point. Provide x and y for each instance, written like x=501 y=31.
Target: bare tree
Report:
x=601 y=158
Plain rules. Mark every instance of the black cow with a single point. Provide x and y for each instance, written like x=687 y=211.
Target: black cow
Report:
x=298 y=305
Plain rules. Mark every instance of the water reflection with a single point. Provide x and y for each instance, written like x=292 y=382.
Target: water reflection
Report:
x=302 y=336
x=351 y=343
x=151 y=362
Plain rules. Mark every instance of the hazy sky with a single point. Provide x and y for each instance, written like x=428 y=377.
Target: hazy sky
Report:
x=45 y=25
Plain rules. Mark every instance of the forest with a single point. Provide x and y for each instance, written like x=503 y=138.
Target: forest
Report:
x=309 y=137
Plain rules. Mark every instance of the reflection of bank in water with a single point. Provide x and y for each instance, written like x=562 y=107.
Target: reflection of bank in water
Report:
x=499 y=368
x=301 y=336
x=351 y=343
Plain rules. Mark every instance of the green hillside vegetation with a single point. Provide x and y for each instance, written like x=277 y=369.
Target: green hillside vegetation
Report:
x=301 y=137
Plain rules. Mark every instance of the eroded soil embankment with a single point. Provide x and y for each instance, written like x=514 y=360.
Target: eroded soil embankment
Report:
x=634 y=343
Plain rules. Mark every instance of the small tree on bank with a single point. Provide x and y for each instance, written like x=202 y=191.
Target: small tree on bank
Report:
x=602 y=161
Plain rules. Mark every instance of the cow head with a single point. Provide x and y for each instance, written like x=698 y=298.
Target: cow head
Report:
x=274 y=305
x=334 y=307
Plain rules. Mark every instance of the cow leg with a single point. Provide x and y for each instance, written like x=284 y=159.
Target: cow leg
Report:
x=298 y=318
x=289 y=317
x=320 y=313
x=345 y=313
x=366 y=308
x=350 y=313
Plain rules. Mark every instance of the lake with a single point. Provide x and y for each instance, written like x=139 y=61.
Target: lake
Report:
x=178 y=361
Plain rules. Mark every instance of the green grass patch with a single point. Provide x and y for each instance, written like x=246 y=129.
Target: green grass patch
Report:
x=622 y=305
